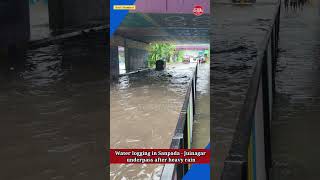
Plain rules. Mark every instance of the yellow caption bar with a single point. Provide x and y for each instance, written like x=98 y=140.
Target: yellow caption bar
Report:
x=124 y=7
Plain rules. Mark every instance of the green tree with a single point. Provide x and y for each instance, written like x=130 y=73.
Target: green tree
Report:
x=159 y=51
x=180 y=56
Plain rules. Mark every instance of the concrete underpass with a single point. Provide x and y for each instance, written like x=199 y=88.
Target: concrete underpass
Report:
x=152 y=100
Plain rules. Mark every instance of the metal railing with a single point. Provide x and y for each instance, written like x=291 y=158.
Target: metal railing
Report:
x=182 y=137
x=250 y=154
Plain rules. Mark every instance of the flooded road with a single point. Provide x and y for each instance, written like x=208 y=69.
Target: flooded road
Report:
x=53 y=112
x=295 y=129
x=234 y=41
x=144 y=111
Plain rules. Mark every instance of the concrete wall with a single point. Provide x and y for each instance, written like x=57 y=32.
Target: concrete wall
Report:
x=14 y=23
x=136 y=59
x=114 y=61
x=136 y=54
x=70 y=13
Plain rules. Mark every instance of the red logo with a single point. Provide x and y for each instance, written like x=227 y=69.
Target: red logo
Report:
x=198 y=10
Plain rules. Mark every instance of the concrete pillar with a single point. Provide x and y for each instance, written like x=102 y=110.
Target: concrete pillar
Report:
x=15 y=23
x=136 y=55
x=56 y=14
x=114 y=61
x=70 y=13
x=136 y=59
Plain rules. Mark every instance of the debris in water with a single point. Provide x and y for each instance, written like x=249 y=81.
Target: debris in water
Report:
x=132 y=140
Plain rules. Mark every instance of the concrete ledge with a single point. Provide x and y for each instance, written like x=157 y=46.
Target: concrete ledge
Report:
x=134 y=72
x=56 y=39
x=128 y=43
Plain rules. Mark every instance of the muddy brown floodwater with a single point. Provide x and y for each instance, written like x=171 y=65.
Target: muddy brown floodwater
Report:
x=144 y=111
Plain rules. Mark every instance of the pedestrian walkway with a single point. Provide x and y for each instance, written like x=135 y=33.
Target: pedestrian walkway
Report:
x=295 y=128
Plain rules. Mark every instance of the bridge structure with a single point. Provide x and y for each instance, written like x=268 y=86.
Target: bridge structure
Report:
x=62 y=15
x=165 y=21
x=158 y=21
x=151 y=21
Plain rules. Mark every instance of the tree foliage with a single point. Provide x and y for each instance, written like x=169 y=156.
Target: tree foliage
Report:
x=159 y=51
x=180 y=56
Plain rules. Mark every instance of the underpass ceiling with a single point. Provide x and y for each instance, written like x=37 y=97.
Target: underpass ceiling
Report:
x=178 y=27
